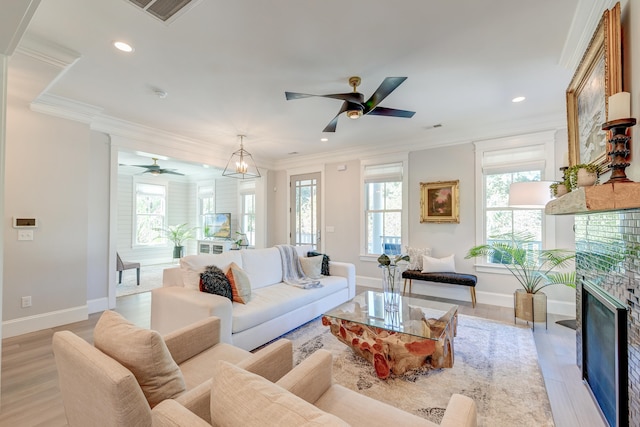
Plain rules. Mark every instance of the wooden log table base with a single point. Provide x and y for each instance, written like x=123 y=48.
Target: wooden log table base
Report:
x=390 y=351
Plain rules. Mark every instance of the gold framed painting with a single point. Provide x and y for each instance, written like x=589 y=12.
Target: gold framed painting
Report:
x=598 y=76
x=440 y=201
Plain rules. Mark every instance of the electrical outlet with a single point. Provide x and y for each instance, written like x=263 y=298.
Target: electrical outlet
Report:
x=26 y=302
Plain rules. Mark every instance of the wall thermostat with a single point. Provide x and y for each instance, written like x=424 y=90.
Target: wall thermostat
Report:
x=25 y=222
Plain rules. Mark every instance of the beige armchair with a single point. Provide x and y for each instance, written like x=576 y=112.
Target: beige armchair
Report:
x=123 y=382
x=306 y=396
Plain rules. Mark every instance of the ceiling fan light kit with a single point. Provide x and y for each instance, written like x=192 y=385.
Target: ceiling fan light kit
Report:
x=353 y=102
x=241 y=164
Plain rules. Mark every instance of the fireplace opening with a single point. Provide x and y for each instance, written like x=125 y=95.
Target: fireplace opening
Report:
x=604 y=352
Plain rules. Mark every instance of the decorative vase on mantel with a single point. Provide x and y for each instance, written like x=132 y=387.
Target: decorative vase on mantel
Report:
x=586 y=178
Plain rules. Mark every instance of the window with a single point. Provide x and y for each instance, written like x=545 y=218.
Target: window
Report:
x=383 y=201
x=499 y=164
x=150 y=213
x=206 y=207
x=248 y=216
x=500 y=218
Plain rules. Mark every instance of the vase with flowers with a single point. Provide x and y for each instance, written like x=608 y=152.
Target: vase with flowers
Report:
x=391 y=278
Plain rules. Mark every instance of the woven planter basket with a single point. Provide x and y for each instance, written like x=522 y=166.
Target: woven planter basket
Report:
x=530 y=306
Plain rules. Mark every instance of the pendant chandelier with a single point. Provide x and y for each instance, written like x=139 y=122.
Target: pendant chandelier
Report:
x=241 y=164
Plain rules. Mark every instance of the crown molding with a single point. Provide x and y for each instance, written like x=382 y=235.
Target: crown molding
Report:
x=65 y=108
x=585 y=20
x=47 y=52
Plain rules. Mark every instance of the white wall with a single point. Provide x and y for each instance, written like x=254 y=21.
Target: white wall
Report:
x=53 y=267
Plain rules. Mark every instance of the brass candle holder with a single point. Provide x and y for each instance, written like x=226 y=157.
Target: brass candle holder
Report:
x=620 y=151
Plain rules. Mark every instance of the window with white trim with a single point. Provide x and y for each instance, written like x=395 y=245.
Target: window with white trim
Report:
x=248 y=216
x=383 y=201
x=501 y=163
x=206 y=210
x=150 y=212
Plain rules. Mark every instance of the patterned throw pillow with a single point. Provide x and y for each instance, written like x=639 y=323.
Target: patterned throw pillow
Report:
x=214 y=281
x=415 y=257
x=240 y=285
x=325 y=262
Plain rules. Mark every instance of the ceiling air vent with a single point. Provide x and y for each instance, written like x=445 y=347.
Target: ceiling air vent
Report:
x=163 y=10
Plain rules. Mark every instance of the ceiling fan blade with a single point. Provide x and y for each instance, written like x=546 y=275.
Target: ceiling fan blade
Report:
x=386 y=87
x=170 y=172
x=331 y=127
x=391 y=112
x=355 y=97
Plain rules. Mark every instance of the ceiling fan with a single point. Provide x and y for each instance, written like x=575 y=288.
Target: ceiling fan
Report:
x=155 y=169
x=354 y=104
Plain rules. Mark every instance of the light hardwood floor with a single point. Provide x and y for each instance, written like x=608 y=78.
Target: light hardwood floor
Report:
x=30 y=395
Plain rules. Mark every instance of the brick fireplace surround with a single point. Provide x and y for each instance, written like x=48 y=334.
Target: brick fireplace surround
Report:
x=610 y=241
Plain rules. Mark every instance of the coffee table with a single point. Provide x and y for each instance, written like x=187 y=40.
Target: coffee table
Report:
x=418 y=335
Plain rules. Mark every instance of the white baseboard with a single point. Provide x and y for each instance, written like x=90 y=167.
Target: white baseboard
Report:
x=461 y=293
x=97 y=305
x=24 y=325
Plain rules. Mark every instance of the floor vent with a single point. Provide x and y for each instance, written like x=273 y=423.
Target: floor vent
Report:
x=163 y=10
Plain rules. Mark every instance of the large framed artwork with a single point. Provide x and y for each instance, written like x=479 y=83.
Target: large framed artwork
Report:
x=598 y=76
x=439 y=201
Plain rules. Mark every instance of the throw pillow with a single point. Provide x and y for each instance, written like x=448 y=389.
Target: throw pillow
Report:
x=312 y=266
x=214 y=281
x=325 y=261
x=240 y=285
x=438 y=265
x=415 y=257
x=143 y=352
x=241 y=398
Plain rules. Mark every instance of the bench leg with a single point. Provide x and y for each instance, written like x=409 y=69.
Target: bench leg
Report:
x=138 y=276
x=473 y=295
x=404 y=289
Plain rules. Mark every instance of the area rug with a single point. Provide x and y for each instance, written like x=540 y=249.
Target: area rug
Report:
x=496 y=364
x=150 y=278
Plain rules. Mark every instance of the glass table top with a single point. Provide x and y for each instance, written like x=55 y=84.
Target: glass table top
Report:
x=419 y=317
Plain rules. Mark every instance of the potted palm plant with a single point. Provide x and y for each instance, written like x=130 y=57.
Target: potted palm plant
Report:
x=178 y=234
x=535 y=269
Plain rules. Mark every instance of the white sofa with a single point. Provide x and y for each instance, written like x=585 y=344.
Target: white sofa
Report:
x=274 y=308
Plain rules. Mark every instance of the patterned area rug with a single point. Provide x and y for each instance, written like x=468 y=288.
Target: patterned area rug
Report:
x=496 y=364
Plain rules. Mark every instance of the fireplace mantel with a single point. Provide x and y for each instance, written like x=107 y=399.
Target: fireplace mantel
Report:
x=598 y=198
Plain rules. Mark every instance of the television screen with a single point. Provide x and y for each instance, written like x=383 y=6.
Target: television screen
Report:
x=221 y=226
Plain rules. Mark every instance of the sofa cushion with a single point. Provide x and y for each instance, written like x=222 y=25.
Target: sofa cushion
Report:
x=279 y=299
x=312 y=266
x=240 y=284
x=143 y=352
x=193 y=265
x=240 y=398
x=214 y=281
x=263 y=266
x=438 y=265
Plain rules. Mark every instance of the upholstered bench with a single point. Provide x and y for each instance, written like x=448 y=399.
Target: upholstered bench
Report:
x=469 y=280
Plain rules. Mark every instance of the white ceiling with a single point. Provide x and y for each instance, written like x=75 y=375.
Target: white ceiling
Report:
x=226 y=66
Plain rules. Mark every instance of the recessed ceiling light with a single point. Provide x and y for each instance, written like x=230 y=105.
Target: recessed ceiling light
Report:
x=293 y=152
x=125 y=47
x=324 y=139
x=518 y=99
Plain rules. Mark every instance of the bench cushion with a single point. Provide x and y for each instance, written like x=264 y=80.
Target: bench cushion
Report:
x=453 y=278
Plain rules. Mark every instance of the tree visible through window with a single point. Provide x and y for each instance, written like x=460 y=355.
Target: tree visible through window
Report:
x=150 y=213
x=207 y=206
x=501 y=219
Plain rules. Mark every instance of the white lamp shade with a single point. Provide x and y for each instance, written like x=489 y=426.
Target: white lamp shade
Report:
x=532 y=195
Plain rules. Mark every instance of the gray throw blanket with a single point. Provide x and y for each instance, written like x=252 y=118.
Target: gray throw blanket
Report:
x=292 y=273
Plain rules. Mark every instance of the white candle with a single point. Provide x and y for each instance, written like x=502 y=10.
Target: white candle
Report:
x=565 y=159
x=619 y=106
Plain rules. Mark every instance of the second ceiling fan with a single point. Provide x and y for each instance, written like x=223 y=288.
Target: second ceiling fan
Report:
x=155 y=168
x=354 y=104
